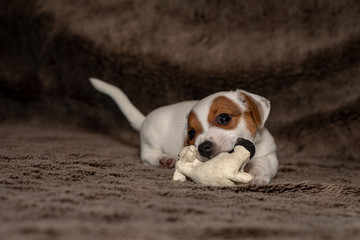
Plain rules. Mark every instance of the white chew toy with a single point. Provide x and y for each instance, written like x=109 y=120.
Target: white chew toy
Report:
x=226 y=169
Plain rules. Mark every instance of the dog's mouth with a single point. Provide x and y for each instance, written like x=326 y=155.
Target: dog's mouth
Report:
x=216 y=150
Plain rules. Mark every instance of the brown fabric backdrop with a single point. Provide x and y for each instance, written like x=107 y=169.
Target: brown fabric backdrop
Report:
x=304 y=56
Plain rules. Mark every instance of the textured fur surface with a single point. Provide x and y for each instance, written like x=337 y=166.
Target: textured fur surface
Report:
x=303 y=56
x=64 y=183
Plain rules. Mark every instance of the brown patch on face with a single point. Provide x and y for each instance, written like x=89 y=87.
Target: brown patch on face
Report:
x=253 y=109
x=250 y=123
x=223 y=105
x=193 y=125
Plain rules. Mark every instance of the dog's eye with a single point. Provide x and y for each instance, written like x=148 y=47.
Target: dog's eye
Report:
x=223 y=119
x=191 y=134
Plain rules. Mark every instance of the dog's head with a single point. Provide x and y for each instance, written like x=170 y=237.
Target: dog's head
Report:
x=217 y=121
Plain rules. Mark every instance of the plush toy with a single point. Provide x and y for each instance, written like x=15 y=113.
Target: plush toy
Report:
x=226 y=169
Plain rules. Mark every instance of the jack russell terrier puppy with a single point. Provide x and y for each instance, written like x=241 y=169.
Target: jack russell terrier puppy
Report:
x=212 y=125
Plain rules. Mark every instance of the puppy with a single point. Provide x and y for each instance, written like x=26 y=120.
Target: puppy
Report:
x=212 y=125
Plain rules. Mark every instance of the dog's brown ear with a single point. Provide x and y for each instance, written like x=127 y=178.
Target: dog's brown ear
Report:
x=259 y=107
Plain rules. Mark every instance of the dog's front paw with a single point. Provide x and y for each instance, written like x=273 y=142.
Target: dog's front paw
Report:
x=167 y=162
x=259 y=177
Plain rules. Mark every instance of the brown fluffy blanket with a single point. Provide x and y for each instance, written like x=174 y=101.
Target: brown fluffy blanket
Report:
x=69 y=163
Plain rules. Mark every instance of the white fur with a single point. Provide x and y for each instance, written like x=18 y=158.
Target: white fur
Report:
x=264 y=164
x=134 y=116
x=164 y=130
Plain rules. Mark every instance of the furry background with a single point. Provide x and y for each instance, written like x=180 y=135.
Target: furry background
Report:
x=304 y=56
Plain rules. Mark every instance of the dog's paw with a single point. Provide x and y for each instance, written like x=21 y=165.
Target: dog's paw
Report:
x=167 y=162
x=259 y=177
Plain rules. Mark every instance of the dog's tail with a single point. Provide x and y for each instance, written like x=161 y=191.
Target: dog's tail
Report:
x=133 y=115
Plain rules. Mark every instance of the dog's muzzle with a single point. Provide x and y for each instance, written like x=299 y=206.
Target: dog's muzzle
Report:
x=206 y=149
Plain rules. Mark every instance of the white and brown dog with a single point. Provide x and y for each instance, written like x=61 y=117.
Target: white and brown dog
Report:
x=212 y=125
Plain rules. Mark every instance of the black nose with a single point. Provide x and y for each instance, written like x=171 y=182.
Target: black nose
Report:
x=205 y=149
